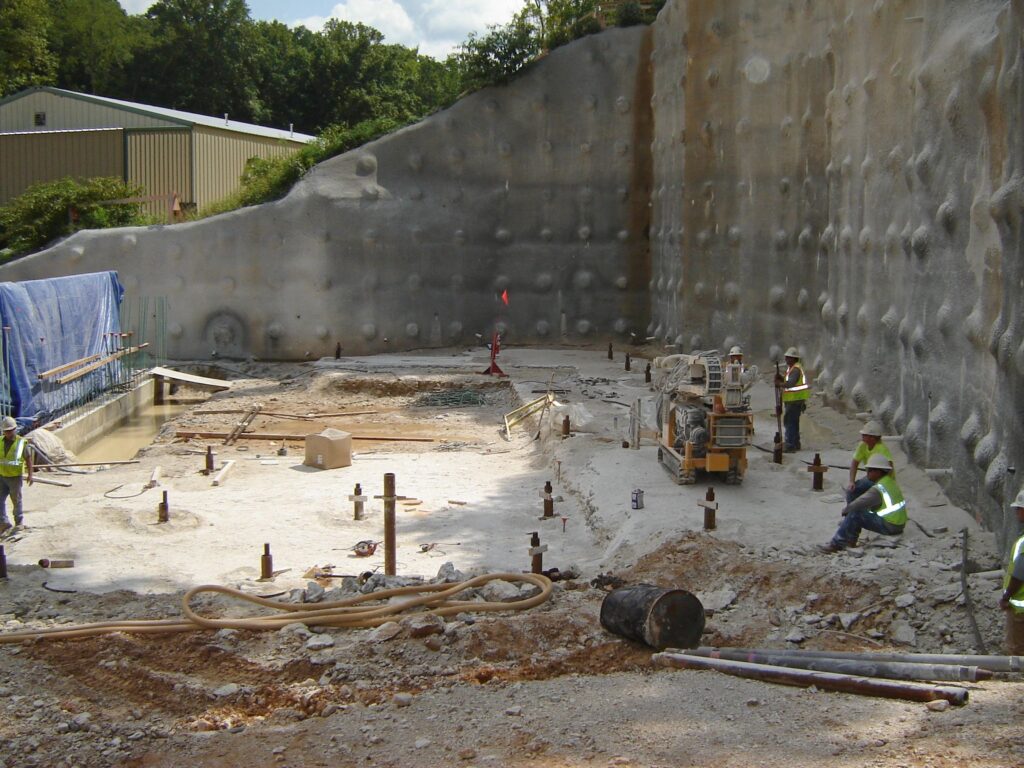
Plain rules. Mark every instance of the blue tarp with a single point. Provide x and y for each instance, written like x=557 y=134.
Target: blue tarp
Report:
x=47 y=323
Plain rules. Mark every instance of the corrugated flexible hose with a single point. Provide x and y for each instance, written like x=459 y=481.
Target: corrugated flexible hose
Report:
x=436 y=599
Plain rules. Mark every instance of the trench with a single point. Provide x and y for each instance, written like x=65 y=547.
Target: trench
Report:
x=131 y=435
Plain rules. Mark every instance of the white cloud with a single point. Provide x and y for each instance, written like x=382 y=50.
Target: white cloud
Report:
x=387 y=16
x=136 y=6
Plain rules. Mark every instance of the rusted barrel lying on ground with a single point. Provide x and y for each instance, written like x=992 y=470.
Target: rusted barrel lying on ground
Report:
x=661 y=618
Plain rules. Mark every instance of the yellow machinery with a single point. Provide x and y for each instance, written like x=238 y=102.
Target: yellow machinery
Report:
x=704 y=419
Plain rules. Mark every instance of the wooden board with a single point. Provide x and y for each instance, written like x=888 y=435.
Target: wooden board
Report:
x=188 y=378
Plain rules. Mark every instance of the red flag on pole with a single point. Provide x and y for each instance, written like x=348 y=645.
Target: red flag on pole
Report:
x=504 y=296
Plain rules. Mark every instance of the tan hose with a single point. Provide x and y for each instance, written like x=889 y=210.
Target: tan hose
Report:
x=339 y=613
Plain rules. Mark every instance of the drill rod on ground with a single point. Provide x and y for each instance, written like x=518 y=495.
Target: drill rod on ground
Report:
x=991 y=663
x=892 y=670
x=804 y=678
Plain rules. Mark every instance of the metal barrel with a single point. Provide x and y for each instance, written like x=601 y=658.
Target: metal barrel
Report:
x=892 y=670
x=992 y=663
x=659 y=617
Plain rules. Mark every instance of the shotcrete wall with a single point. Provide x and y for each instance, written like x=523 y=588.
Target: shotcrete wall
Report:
x=844 y=176
x=539 y=187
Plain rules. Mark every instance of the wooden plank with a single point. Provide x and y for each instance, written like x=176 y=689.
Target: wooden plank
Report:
x=305 y=416
x=241 y=426
x=186 y=433
x=67 y=366
x=188 y=378
x=100 y=363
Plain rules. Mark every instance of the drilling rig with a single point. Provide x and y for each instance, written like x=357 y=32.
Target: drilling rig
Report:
x=704 y=419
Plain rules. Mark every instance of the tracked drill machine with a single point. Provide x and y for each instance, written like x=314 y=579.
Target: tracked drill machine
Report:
x=704 y=419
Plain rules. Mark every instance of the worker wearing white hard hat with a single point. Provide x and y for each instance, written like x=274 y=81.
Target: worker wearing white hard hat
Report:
x=15 y=460
x=796 y=390
x=881 y=508
x=870 y=444
x=1012 y=599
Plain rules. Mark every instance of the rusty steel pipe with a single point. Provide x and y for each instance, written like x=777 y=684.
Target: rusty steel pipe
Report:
x=163 y=510
x=829 y=681
x=266 y=563
x=549 y=502
x=991 y=663
x=389 y=524
x=892 y=670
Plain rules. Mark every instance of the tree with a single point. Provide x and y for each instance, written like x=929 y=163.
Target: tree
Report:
x=195 y=58
x=500 y=54
x=92 y=41
x=25 y=58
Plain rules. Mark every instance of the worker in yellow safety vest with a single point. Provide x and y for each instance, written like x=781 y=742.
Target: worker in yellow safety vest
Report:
x=15 y=461
x=881 y=508
x=1012 y=599
x=795 y=392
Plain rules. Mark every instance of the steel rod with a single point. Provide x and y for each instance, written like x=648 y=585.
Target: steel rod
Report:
x=893 y=670
x=389 y=524
x=830 y=681
x=992 y=663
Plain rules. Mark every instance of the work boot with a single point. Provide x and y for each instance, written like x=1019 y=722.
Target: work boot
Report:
x=831 y=548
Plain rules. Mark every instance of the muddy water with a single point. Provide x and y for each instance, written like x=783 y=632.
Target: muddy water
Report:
x=125 y=441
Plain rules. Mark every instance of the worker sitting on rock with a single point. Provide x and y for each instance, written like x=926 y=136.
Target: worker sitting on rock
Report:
x=881 y=508
x=795 y=392
x=870 y=444
x=1012 y=599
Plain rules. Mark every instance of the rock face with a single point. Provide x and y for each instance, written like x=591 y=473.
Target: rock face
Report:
x=843 y=177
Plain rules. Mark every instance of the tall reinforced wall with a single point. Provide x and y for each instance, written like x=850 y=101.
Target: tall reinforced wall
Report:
x=538 y=188
x=846 y=177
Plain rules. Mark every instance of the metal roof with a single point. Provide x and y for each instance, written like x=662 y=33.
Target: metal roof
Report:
x=173 y=115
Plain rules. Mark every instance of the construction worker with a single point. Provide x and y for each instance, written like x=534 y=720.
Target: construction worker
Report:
x=747 y=374
x=870 y=444
x=795 y=392
x=15 y=460
x=1012 y=599
x=881 y=508
x=736 y=356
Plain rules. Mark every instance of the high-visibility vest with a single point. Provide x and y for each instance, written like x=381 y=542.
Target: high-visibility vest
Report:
x=12 y=461
x=799 y=392
x=1017 y=598
x=893 y=508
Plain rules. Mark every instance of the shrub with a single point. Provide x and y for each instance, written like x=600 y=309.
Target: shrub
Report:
x=498 y=55
x=53 y=209
x=267 y=180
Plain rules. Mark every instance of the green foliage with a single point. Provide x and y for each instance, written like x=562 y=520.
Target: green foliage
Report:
x=500 y=54
x=568 y=20
x=92 y=40
x=629 y=15
x=25 y=58
x=54 y=209
x=267 y=180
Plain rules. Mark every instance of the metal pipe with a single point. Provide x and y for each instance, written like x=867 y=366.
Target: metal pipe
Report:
x=389 y=524
x=163 y=510
x=549 y=502
x=3 y=562
x=266 y=563
x=893 y=670
x=829 y=681
x=992 y=663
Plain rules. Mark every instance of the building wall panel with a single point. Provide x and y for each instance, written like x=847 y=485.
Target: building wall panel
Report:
x=220 y=158
x=31 y=158
x=64 y=113
x=161 y=162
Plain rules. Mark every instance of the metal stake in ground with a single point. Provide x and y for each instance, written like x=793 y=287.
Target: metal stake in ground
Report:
x=389 y=524
x=3 y=563
x=209 y=460
x=647 y=374
x=163 y=510
x=627 y=361
x=549 y=502
x=818 y=470
x=537 y=551
x=266 y=563
x=710 y=505
x=565 y=426
x=610 y=355
x=358 y=500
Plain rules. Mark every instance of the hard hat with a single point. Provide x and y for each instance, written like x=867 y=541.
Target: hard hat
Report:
x=9 y=423
x=878 y=461
x=1019 y=501
x=872 y=428
x=792 y=352
x=735 y=351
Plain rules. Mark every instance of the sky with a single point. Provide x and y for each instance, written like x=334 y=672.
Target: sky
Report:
x=435 y=26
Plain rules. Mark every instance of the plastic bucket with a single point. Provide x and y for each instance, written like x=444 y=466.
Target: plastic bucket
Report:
x=661 y=618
